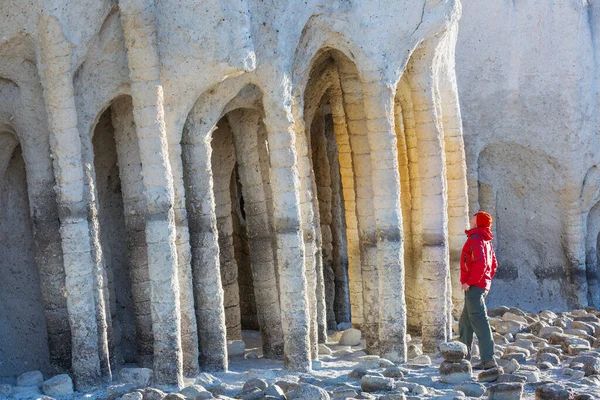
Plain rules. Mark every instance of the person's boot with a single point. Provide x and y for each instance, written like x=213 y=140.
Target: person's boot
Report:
x=485 y=365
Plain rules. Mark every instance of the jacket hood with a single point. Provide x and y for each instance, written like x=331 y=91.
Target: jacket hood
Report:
x=486 y=233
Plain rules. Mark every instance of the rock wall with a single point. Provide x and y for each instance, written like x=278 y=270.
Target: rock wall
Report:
x=23 y=326
x=338 y=133
x=527 y=78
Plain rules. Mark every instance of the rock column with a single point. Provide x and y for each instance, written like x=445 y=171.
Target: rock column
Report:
x=137 y=19
x=434 y=220
x=379 y=109
x=202 y=220
x=244 y=125
x=348 y=194
x=361 y=159
x=55 y=65
x=307 y=197
x=293 y=292
x=134 y=206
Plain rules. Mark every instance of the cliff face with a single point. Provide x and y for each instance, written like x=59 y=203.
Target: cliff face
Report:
x=527 y=83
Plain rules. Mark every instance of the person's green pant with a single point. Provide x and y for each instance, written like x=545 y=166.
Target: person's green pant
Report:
x=474 y=320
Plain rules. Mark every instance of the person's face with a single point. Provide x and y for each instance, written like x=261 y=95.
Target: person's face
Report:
x=473 y=222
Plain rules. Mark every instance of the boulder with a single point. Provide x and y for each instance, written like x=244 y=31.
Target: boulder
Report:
x=134 y=396
x=350 y=337
x=490 y=375
x=453 y=351
x=511 y=378
x=30 y=378
x=371 y=383
x=236 y=348
x=413 y=351
x=118 y=390
x=59 y=385
x=509 y=316
x=548 y=357
x=275 y=392
x=393 y=372
x=553 y=391
x=512 y=327
x=505 y=391
x=153 y=394
x=497 y=311
x=196 y=392
x=140 y=377
x=324 y=350
x=455 y=372
x=306 y=391
x=174 y=396
x=255 y=383
x=592 y=367
x=422 y=360
x=357 y=373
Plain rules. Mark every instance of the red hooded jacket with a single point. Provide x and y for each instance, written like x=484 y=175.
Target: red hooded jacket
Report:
x=477 y=261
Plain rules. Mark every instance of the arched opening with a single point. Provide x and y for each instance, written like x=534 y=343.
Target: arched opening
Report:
x=24 y=344
x=339 y=155
x=119 y=188
x=233 y=188
x=592 y=246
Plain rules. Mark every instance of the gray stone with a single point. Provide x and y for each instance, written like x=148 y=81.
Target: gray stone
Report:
x=236 y=348
x=592 y=367
x=59 y=385
x=196 y=392
x=305 y=391
x=455 y=372
x=118 y=390
x=553 y=391
x=357 y=373
x=255 y=383
x=505 y=391
x=511 y=378
x=490 y=375
x=30 y=378
x=371 y=383
x=453 y=351
x=132 y=396
x=274 y=391
x=350 y=337
x=140 y=377
x=153 y=394
x=393 y=372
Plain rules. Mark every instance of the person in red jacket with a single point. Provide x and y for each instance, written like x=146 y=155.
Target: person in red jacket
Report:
x=477 y=268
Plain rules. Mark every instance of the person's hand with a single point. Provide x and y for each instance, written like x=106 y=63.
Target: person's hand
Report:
x=465 y=287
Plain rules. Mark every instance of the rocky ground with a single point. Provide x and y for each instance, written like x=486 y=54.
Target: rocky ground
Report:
x=543 y=356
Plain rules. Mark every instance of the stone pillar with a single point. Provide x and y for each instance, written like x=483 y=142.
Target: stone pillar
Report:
x=341 y=301
x=137 y=19
x=320 y=304
x=55 y=66
x=346 y=167
x=456 y=169
x=208 y=290
x=434 y=221
x=322 y=175
x=379 y=110
x=295 y=320
x=361 y=160
x=414 y=277
x=244 y=125
x=134 y=206
x=189 y=330
x=223 y=164
x=307 y=195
